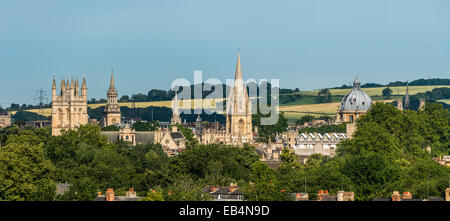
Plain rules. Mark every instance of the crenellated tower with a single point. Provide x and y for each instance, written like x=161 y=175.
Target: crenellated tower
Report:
x=69 y=106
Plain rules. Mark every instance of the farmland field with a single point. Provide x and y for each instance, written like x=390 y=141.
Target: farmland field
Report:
x=446 y=101
x=398 y=90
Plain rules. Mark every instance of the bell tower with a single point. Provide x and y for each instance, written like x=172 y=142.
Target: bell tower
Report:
x=112 y=113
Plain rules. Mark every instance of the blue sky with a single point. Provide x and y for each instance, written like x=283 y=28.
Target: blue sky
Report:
x=306 y=44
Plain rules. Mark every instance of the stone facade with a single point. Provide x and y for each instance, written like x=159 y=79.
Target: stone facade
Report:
x=312 y=143
x=112 y=114
x=69 y=106
x=5 y=119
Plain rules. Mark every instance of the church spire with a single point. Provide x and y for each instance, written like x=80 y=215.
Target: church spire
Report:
x=176 y=111
x=238 y=68
x=407 y=97
x=111 y=83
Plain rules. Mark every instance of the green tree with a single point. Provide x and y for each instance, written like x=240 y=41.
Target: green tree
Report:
x=387 y=92
x=25 y=174
x=264 y=186
x=153 y=195
x=323 y=96
x=111 y=128
x=264 y=131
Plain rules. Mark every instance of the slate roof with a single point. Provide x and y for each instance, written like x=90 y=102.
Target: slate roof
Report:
x=141 y=136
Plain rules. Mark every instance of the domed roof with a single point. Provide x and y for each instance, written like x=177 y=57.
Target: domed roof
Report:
x=356 y=99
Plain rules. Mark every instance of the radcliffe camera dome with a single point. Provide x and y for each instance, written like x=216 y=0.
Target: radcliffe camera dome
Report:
x=356 y=100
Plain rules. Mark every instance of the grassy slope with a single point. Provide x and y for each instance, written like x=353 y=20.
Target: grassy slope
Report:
x=399 y=90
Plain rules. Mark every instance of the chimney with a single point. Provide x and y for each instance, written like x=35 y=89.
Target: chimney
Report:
x=213 y=189
x=321 y=194
x=110 y=194
x=407 y=195
x=131 y=193
x=396 y=196
x=340 y=195
x=233 y=187
x=345 y=196
x=447 y=194
x=301 y=197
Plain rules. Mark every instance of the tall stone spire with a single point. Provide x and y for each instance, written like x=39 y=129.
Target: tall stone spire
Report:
x=83 y=85
x=111 y=83
x=84 y=89
x=175 y=111
x=54 y=89
x=54 y=83
x=238 y=68
x=407 y=97
x=239 y=117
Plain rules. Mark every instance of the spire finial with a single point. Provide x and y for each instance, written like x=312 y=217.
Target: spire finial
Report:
x=54 y=82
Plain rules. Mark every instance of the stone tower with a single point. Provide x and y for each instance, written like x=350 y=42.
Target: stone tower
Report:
x=239 y=114
x=175 y=111
x=112 y=114
x=69 y=106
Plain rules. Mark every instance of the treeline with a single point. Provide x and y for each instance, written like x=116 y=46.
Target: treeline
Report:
x=429 y=96
x=84 y=159
x=419 y=82
x=389 y=152
x=162 y=114
x=164 y=95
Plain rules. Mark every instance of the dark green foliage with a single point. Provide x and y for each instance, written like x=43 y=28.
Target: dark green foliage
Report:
x=27 y=116
x=25 y=173
x=264 y=131
x=332 y=128
x=217 y=164
x=323 y=96
x=388 y=152
x=146 y=126
x=111 y=128
x=387 y=92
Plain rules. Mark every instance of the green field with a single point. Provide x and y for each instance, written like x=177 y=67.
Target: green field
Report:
x=446 y=101
x=377 y=91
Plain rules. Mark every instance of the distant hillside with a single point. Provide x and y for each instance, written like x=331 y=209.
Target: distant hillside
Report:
x=419 y=82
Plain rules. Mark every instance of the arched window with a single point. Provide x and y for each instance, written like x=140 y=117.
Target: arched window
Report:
x=241 y=126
